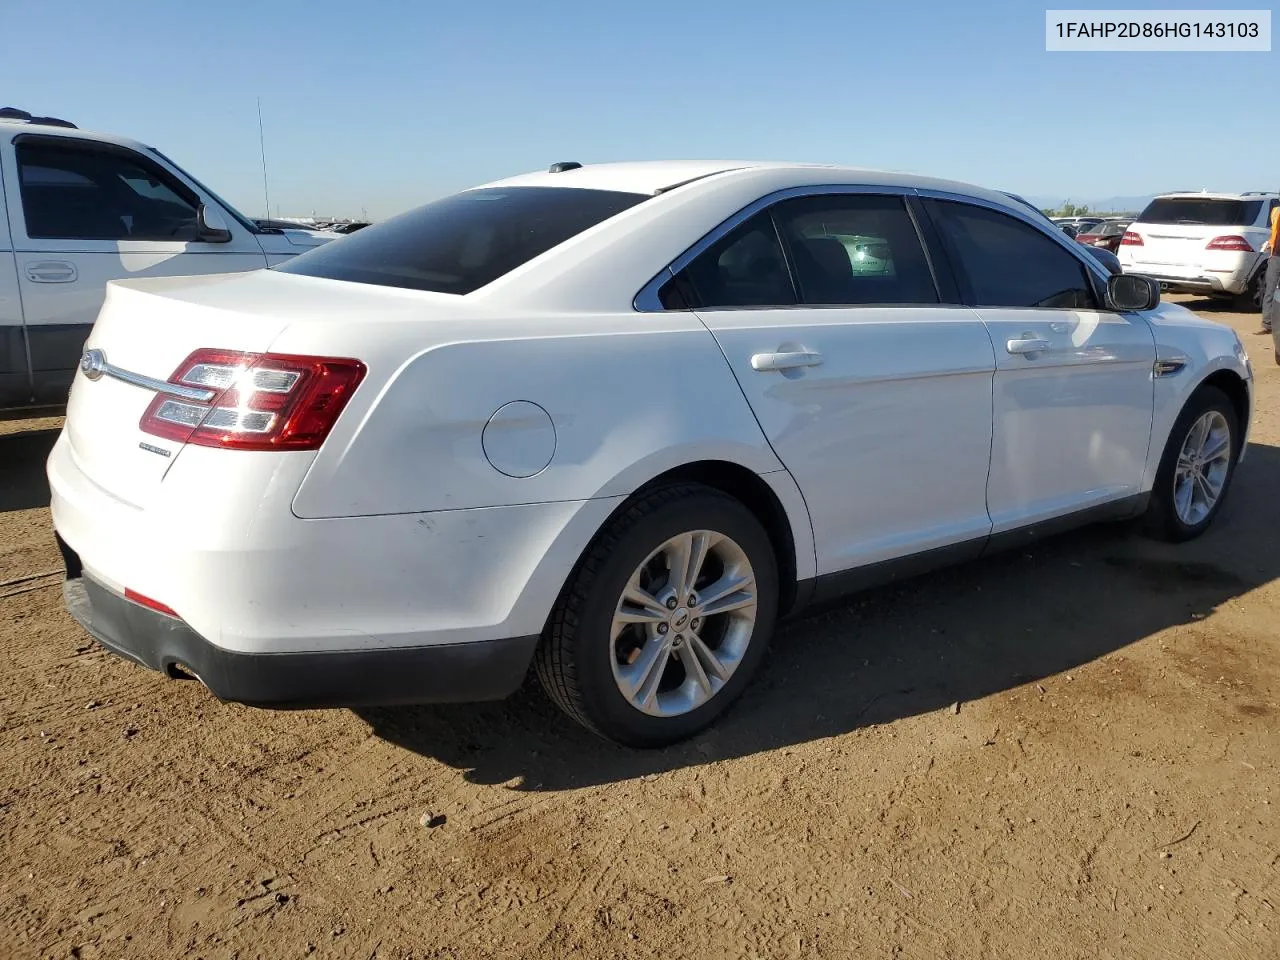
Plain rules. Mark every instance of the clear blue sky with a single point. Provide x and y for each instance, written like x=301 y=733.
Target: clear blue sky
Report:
x=385 y=104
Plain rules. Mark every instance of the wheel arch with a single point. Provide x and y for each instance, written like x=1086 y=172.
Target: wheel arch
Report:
x=1233 y=385
x=789 y=530
x=754 y=492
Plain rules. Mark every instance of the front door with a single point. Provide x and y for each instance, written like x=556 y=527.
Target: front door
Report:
x=82 y=213
x=1073 y=389
x=874 y=395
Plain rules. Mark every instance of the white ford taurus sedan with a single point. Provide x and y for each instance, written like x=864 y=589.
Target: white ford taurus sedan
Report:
x=612 y=421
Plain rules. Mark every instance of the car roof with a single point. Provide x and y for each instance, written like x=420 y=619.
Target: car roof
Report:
x=1202 y=195
x=659 y=176
x=13 y=127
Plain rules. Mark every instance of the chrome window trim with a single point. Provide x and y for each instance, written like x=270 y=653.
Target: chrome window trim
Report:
x=646 y=301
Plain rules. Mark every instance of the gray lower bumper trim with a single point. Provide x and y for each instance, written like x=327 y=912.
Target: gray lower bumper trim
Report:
x=460 y=672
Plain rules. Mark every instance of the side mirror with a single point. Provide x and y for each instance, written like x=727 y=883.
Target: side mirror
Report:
x=1069 y=230
x=1132 y=292
x=211 y=227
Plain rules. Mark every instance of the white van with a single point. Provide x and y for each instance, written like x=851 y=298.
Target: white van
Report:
x=78 y=209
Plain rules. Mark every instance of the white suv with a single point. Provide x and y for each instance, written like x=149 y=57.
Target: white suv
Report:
x=1207 y=243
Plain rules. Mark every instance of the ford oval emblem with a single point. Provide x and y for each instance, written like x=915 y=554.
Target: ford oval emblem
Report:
x=93 y=364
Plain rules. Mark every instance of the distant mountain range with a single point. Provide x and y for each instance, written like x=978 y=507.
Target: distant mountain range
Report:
x=1104 y=205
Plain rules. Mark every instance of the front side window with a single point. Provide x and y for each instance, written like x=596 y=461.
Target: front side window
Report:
x=855 y=249
x=459 y=244
x=1008 y=263
x=73 y=193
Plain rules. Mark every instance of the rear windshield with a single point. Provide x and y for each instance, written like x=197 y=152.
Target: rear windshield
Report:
x=462 y=242
x=1197 y=210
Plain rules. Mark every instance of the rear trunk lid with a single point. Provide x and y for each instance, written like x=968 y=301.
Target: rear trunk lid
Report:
x=146 y=328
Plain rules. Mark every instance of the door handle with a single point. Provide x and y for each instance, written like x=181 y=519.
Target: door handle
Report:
x=785 y=361
x=51 y=271
x=1027 y=345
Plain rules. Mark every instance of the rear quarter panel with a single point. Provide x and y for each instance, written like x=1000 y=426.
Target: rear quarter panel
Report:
x=630 y=396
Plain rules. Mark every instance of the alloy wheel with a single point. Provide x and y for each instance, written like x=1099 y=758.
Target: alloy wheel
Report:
x=683 y=623
x=1203 y=464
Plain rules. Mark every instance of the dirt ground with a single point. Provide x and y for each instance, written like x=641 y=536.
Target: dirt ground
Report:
x=1067 y=752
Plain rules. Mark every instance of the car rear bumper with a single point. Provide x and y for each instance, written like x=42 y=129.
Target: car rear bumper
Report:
x=217 y=543
x=1191 y=278
x=460 y=672
x=1183 y=284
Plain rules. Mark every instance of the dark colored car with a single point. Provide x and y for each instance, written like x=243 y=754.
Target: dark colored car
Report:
x=1105 y=235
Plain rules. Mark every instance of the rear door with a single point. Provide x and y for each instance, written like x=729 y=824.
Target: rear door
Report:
x=874 y=393
x=1073 y=390
x=83 y=212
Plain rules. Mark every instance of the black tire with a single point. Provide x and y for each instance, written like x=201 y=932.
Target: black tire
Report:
x=1162 y=518
x=1250 y=300
x=573 y=658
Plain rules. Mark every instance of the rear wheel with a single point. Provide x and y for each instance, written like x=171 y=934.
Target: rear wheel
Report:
x=1250 y=299
x=1196 y=469
x=665 y=619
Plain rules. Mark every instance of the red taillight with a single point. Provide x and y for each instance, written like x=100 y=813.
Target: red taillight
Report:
x=150 y=604
x=253 y=401
x=1131 y=239
x=1232 y=242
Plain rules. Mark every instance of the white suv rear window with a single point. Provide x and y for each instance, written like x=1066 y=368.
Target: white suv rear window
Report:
x=1197 y=210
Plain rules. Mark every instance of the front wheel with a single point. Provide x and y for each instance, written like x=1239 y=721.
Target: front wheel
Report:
x=1196 y=469
x=665 y=620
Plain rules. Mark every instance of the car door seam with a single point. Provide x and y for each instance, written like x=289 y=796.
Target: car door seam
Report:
x=813 y=537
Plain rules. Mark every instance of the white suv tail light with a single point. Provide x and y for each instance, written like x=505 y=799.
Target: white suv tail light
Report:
x=1233 y=242
x=254 y=401
x=1131 y=239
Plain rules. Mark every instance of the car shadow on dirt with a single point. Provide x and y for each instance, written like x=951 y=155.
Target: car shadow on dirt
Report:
x=950 y=637
x=23 y=485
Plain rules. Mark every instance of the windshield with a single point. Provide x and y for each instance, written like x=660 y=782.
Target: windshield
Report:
x=460 y=243
x=1201 y=210
x=243 y=220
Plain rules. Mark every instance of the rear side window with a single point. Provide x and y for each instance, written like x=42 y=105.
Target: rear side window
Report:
x=855 y=249
x=78 y=193
x=744 y=268
x=460 y=243
x=1008 y=263
x=1202 y=210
